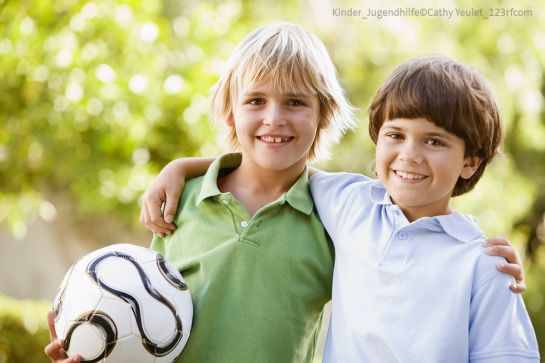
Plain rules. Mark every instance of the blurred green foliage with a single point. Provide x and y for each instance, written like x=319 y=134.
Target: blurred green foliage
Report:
x=97 y=96
x=23 y=330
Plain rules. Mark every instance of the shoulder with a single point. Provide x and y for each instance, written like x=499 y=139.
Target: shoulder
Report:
x=191 y=194
x=339 y=197
x=461 y=227
x=192 y=187
x=463 y=230
x=339 y=182
x=194 y=183
x=341 y=177
x=341 y=190
x=485 y=270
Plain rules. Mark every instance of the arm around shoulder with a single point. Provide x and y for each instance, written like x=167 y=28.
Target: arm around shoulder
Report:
x=165 y=190
x=332 y=194
x=188 y=168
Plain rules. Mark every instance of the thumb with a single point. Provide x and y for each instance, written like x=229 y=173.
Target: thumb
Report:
x=51 y=325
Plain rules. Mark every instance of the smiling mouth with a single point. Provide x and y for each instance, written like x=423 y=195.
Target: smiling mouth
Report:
x=409 y=176
x=275 y=139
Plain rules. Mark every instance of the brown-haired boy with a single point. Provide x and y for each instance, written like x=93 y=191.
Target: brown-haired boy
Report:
x=411 y=282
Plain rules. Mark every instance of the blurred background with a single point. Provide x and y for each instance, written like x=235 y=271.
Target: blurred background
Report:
x=96 y=97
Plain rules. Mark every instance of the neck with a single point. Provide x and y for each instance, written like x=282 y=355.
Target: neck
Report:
x=266 y=180
x=256 y=187
x=412 y=214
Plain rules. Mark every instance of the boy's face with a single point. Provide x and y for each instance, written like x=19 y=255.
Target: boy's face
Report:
x=419 y=163
x=275 y=130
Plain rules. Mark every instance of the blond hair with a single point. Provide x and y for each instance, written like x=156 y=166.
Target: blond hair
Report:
x=293 y=60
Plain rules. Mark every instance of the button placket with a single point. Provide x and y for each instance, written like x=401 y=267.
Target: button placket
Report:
x=403 y=236
x=396 y=249
x=237 y=211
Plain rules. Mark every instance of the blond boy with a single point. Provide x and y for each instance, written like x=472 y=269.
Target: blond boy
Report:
x=249 y=242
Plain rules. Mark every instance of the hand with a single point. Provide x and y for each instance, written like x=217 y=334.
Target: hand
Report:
x=55 y=349
x=164 y=190
x=500 y=246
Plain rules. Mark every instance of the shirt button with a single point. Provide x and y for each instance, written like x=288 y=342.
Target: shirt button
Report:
x=402 y=236
x=244 y=224
x=226 y=202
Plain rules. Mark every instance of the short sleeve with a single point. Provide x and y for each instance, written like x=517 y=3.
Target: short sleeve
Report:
x=333 y=195
x=500 y=329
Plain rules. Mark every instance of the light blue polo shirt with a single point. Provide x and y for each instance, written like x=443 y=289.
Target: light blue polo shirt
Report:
x=414 y=292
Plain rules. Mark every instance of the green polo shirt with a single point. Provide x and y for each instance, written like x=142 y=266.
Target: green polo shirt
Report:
x=258 y=283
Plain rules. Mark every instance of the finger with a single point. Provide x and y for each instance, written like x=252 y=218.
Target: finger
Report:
x=518 y=287
x=171 y=205
x=146 y=221
x=158 y=229
x=157 y=222
x=512 y=269
x=497 y=241
x=507 y=252
x=51 y=326
x=74 y=359
x=68 y=360
x=153 y=205
x=144 y=215
x=54 y=350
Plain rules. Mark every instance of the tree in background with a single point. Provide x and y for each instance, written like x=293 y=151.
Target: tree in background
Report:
x=97 y=96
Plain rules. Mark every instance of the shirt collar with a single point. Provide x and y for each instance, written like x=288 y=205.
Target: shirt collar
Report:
x=378 y=193
x=461 y=227
x=298 y=196
x=209 y=186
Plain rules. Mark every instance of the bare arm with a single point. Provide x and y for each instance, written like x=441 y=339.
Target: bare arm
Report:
x=160 y=200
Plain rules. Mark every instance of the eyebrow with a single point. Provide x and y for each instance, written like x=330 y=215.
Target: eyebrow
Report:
x=444 y=134
x=261 y=94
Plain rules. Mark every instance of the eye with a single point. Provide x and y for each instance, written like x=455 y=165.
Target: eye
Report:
x=295 y=102
x=256 y=101
x=435 y=142
x=394 y=135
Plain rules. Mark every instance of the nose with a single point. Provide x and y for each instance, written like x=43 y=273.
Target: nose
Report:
x=274 y=115
x=410 y=152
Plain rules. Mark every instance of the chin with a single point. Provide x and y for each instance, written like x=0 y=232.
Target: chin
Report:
x=406 y=202
x=279 y=165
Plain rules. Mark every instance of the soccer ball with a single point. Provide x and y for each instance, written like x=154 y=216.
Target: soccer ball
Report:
x=123 y=303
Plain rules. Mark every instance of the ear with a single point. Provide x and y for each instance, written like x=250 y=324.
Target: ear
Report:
x=231 y=120
x=471 y=164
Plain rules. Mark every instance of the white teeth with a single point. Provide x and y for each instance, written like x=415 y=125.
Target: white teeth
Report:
x=274 y=139
x=409 y=176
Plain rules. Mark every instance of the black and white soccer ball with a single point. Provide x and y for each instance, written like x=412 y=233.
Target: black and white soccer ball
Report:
x=123 y=303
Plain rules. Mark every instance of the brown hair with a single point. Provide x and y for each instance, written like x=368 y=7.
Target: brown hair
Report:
x=450 y=95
